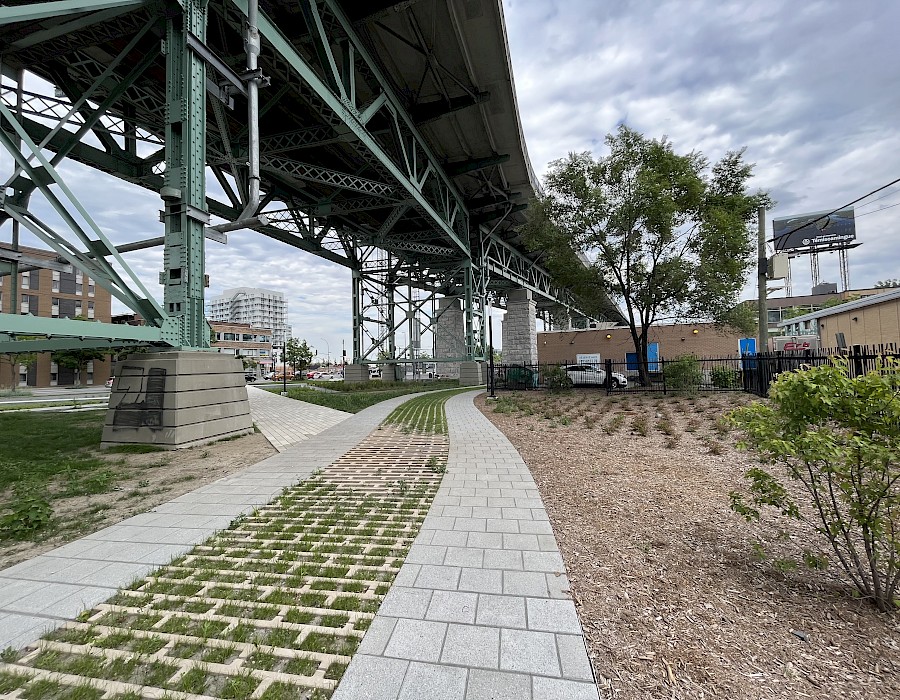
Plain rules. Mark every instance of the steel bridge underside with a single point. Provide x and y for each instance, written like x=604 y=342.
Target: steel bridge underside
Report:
x=389 y=143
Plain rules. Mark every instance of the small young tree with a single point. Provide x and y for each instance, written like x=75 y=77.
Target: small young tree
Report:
x=16 y=359
x=839 y=437
x=667 y=238
x=298 y=354
x=77 y=360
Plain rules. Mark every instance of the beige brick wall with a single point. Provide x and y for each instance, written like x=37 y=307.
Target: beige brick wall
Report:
x=708 y=341
x=878 y=324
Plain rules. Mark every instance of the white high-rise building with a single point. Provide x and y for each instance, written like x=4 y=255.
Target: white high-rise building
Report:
x=261 y=308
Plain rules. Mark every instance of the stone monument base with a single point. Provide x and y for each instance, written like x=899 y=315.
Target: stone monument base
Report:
x=177 y=399
x=471 y=373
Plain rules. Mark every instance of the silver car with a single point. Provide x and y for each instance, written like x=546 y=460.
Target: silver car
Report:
x=587 y=375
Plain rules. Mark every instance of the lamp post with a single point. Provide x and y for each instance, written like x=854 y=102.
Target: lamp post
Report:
x=328 y=349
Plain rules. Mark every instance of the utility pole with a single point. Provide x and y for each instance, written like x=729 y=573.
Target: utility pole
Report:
x=763 y=275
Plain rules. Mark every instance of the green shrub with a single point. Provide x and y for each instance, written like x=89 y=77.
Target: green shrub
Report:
x=684 y=374
x=725 y=378
x=29 y=513
x=556 y=379
x=839 y=437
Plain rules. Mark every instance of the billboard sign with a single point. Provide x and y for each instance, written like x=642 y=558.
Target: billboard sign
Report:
x=810 y=232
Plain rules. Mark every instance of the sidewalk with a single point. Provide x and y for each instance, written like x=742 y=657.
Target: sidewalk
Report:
x=42 y=593
x=480 y=610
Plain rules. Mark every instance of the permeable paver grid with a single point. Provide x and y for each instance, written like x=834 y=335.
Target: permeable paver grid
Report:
x=39 y=594
x=480 y=609
x=272 y=608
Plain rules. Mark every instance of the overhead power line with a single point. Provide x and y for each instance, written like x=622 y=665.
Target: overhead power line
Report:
x=834 y=211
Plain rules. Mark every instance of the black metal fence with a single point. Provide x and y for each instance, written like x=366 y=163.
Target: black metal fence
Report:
x=750 y=373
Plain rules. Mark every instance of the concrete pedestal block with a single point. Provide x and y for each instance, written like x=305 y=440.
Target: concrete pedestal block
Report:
x=471 y=373
x=356 y=373
x=177 y=399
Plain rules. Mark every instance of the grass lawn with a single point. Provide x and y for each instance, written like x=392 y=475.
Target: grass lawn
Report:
x=40 y=446
x=355 y=400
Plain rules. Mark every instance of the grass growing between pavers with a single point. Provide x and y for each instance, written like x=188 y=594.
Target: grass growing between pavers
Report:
x=359 y=395
x=271 y=609
x=424 y=413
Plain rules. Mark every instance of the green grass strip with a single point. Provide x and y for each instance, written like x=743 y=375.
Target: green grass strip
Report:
x=424 y=413
x=355 y=401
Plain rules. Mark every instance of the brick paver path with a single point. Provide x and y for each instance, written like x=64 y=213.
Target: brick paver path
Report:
x=286 y=422
x=480 y=609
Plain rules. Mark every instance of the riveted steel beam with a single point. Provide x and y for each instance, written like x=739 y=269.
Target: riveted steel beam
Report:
x=45 y=10
x=409 y=172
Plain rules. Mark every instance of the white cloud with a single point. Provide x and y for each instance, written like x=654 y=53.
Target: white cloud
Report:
x=807 y=87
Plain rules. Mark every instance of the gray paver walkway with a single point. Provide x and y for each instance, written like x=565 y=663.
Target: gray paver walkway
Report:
x=39 y=594
x=480 y=609
x=286 y=422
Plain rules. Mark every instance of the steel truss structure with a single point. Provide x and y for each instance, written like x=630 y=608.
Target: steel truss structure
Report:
x=373 y=143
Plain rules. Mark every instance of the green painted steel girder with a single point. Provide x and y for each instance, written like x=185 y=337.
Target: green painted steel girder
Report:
x=473 y=164
x=27 y=325
x=354 y=121
x=60 y=8
x=185 y=215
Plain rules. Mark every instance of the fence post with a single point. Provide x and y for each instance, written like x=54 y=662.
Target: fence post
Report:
x=662 y=364
x=607 y=365
x=857 y=361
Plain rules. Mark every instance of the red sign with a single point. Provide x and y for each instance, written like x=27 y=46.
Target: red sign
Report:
x=797 y=346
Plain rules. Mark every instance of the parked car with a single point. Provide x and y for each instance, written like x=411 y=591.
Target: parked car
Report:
x=586 y=375
x=249 y=377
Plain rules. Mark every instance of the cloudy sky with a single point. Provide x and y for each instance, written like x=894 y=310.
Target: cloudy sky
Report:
x=810 y=88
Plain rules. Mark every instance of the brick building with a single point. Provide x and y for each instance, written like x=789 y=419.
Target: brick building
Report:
x=871 y=321
x=701 y=339
x=53 y=294
x=244 y=340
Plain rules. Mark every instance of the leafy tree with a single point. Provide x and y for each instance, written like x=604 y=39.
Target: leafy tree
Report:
x=839 y=437
x=298 y=354
x=664 y=239
x=887 y=284
x=20 y=358
x=77 y=360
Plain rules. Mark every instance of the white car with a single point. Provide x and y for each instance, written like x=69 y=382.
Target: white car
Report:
x=586 y=375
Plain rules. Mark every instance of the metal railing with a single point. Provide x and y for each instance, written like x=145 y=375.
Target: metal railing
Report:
x=749 y=373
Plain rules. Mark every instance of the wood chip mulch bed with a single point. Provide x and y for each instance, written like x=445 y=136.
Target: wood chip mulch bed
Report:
x=678 y=596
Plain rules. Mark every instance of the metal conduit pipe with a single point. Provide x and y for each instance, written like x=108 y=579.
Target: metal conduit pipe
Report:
x=249 y=218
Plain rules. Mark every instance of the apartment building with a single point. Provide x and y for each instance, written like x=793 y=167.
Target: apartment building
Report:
x=258 y=308
x=52 y=294
x=246 y=341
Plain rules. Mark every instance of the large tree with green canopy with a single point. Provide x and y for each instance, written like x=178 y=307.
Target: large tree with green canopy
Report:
x=665 y=237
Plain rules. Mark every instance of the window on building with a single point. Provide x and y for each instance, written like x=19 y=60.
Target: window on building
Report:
x=26 y=280
x=90 y=372
x=54 y=306
x=90 y=309
x=54 y=283
x=90 y=287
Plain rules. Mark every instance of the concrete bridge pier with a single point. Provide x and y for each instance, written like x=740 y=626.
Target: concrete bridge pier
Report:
x=520 y=329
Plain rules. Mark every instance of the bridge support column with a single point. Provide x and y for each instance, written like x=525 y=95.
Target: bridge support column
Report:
x=449 y=335
x=181 y=398
x=519 y=329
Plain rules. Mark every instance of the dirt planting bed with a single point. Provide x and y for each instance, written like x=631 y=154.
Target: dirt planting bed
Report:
x=678 y=596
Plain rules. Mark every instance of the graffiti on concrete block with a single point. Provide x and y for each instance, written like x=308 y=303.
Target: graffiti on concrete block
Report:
x=141 y=403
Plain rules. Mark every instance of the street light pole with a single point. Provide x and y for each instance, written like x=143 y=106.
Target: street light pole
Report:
x=762 y=278
x=328 y=348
